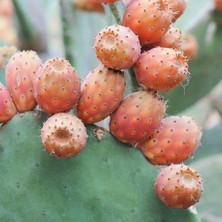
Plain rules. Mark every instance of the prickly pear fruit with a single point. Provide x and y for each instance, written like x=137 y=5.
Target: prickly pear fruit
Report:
x=6 y=9
x=178 y=7
x=176 y=139
x=137 y=117
x=150 y=20
x=56 y=86
x=189 y=46
x=178 y=186
x=101 y=93
x=117 y=47
x=7 y=107
x=161 y=69
x=172 y=39
x=105 y=1
x=20 y=71
x=63 y=135
x=88 y=5
x=218 y=4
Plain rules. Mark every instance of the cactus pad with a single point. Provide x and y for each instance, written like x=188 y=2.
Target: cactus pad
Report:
x=108 y=181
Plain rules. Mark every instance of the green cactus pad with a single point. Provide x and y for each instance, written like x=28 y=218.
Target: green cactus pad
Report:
x=107 y=182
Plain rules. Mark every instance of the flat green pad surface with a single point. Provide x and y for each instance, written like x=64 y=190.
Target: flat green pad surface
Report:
x=107 y=182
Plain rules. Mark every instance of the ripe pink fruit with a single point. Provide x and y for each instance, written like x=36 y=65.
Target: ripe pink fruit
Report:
x=7 y=107
x=189 y=46
x=63 y=135
x=178 y=7
x=137 y=117
x=117 y=47
x=20 y=71
x=172 y=39
x=101 y=93
x=150 y=20
x=176 y=139
x=161 y=69
x=178 y=186
x=56 y=86
x=6 y=9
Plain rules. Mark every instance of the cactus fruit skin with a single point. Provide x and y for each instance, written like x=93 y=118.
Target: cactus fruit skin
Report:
x=7 y=107
x=101 y=93
x=171 y=39
x=178 y=7
x=6 y=9
x=161 y=69
x=117 y=47
x=218 y=5
x=179 y=186
x=176 y=139
x=88 y=5
x=137 y=117
x=150 y=20
x=107 y=176
x=56 y=86
x=105 y=1
x=20 y=71
x=63 y=135
x=189 y=46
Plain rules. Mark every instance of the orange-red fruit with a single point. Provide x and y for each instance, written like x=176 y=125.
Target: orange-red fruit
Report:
x=56 y=86
x=218 y=4
x=101 y=93
x=20 y=72
x=176 y=139
x=137 y=117
x=179 y=186
x=178 y=7
x=105 y=1
x=161 y=69
x=63 y=135
x=88 y=5
x=172 y=39
x=149 y=19
x=117 y=47
x=189 y=46
x=7 y=107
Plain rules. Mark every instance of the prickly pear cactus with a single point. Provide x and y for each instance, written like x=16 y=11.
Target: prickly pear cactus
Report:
x=108 y=181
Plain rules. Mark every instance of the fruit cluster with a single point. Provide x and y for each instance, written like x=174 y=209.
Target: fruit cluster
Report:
x=145 y=41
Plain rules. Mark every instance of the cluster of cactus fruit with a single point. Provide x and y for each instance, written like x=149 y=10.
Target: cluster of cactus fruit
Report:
x=145 y=41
